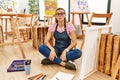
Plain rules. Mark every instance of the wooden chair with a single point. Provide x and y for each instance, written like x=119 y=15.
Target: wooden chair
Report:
x=4 y=20
x=107 y=16
x=24 y=25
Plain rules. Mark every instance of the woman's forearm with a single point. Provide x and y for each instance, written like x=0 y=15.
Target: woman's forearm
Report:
x=47 y=43
x=72 y=45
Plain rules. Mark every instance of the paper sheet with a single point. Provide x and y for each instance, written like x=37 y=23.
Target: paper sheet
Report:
x=63 y=76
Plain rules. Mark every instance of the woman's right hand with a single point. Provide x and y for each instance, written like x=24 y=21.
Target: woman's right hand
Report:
x=52 y=55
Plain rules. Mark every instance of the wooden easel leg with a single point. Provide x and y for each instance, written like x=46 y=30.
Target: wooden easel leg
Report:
x=1 y=35
x=88 y=20
x=73 y=20
x=81 y=26
x=82 y=44
x=16 y=31
x=6 y=28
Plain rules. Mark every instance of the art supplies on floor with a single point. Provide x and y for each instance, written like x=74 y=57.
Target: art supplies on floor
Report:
x=39 y=76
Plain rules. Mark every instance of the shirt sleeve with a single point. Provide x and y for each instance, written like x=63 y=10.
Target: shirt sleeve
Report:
x=70 y=27
x=52 y=28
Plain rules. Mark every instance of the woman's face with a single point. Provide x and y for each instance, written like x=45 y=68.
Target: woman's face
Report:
x=60 y=15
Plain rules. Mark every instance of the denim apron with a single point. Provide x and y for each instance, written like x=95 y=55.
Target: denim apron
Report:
x=62 y=40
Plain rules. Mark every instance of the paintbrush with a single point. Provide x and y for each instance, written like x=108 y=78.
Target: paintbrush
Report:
x=37 y=77
x=31 y=78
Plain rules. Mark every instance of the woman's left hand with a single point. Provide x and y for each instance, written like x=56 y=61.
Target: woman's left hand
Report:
x=63 y=56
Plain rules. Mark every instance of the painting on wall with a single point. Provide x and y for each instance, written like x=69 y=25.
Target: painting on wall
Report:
x=50 y=6
x=79 y=6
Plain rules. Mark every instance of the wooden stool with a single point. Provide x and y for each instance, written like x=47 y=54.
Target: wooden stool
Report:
x=39 y=33
x=1 y=35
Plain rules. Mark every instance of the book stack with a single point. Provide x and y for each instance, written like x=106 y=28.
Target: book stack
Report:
x=16 y=65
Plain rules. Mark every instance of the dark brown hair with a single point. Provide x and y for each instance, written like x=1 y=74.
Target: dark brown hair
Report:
x=64 y=18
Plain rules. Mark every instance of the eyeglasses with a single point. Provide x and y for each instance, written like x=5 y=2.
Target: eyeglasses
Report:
x=62 y=13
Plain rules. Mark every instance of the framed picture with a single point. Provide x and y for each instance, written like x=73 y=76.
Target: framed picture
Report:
x=97 y=6
x=60 y=3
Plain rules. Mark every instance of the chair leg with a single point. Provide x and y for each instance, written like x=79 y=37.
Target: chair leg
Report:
x=23 y=34
x=116 y=69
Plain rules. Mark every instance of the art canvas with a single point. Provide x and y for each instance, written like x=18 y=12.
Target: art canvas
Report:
x=79 y=6
x=50 y=6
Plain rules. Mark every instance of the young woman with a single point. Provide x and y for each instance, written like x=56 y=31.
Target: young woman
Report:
x=65 y=42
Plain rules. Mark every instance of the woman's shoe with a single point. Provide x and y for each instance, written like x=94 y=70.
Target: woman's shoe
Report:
x=46 y=61
x=70 y=66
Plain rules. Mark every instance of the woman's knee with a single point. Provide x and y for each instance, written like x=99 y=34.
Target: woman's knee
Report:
x=79 y=53
x=41 y=47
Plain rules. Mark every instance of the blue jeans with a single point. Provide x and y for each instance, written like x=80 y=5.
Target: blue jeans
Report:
x=71 y=55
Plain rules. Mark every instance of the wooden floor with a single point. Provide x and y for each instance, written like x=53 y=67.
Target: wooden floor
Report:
x=12 y=52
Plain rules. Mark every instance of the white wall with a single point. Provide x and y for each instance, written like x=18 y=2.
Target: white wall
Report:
x=115 y=20
x=21 y=5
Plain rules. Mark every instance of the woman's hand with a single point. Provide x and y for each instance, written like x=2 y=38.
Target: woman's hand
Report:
x=63 y=56
x=52 y=55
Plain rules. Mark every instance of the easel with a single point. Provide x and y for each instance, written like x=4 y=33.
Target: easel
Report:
x=81 y=26
x=80 y=18
x=14 y=31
